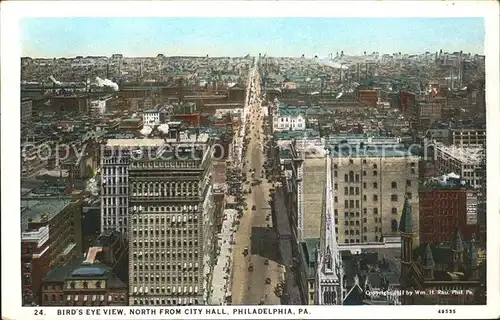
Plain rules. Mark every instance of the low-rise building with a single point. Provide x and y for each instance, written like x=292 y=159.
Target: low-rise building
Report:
x=463 y=161
x=447 y=204
x=94 y=280
x=51 y=234
x=288 y=118
x=468 y=137
x=451 y=270
x=153 y=117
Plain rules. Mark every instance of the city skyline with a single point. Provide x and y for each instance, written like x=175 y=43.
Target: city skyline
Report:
x=201 y=36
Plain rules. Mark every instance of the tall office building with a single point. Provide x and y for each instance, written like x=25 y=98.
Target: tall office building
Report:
x=171 y=226
x=370 y=185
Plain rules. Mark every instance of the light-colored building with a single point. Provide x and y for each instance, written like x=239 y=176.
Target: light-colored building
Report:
x=463 y=161
x=288 y=118
x=26 y=113
x=153 y=117
x=468 y=137
x=101 y=105
x=172 y=226
x=370 y=187
x=116 y=156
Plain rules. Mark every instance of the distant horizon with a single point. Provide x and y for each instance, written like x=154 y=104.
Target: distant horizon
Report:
x=242 y=56
x=237 y=37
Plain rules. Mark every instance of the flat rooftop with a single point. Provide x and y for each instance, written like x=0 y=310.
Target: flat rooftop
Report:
x=470 y=155
x=34 y=210
x=184 y=138
x=135 y=142
x=392 y=151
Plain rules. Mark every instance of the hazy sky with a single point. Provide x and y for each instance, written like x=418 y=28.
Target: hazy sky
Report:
x=58 y=37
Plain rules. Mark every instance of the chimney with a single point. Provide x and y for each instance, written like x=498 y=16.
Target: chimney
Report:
x=358 y=76
x=178 y=135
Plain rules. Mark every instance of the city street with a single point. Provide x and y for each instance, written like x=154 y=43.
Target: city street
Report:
x=255 y=230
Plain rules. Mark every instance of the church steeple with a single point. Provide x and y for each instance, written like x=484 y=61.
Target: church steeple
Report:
x=406 y=223
x=406 y=230
x=473 y=261
x=329 y=276
x=458 y=250
x=428 y=263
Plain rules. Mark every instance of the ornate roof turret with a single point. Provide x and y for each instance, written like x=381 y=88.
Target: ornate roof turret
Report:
x=428 y=259
x=473 y=256
x=458 y=244
x=405 y=224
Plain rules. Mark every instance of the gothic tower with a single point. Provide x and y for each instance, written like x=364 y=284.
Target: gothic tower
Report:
x=473 y=266
x=428 y=263
x=406 y=231
x=458 y=251
x=329 y=276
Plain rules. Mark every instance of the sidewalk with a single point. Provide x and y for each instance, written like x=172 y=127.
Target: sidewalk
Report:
x=221 y=280
x=286 y=249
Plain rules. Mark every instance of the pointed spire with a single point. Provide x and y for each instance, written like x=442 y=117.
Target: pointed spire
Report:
x=405 y=224
x=473 y=256
x=458 y=244
x=428 y=261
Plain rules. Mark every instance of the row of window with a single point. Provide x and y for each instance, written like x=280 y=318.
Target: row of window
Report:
x=173 y=209
x=93 y=298
x=352 y=214
x=351 y=161
x=165 y=194
x=394 y=228
x=140 y=265
x=355 y=178
x=168 y=232
x=180 y=290
x=358 y=240
x=167 y=302
x=114 y=171
x=169 y=164
x=85 y=284
x=179 y=279
x=356 y=203
x=173 y=255
x=165 y=185
x=117 y=200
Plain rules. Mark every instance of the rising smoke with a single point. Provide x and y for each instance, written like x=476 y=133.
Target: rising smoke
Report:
x=146 y=131
x=55 y=81
x=163 y=128
x=106 y=83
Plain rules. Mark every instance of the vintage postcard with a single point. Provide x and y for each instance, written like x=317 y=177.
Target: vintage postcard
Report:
x=226 y=160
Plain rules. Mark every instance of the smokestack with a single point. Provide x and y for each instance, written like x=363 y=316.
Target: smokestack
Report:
x=366 y=72
x=107 y=71
x=358 y=76
x=178 y=135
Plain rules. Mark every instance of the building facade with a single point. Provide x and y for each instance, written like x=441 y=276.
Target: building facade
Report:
x=450 y=272
x=51 y=234
x=468 y=137
x=446 y=205
x=288 y=118
x=26 y=114
x=368 y=188
x=153 y=117
x=172 y=229
x=92 y=281
x=463 y=161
